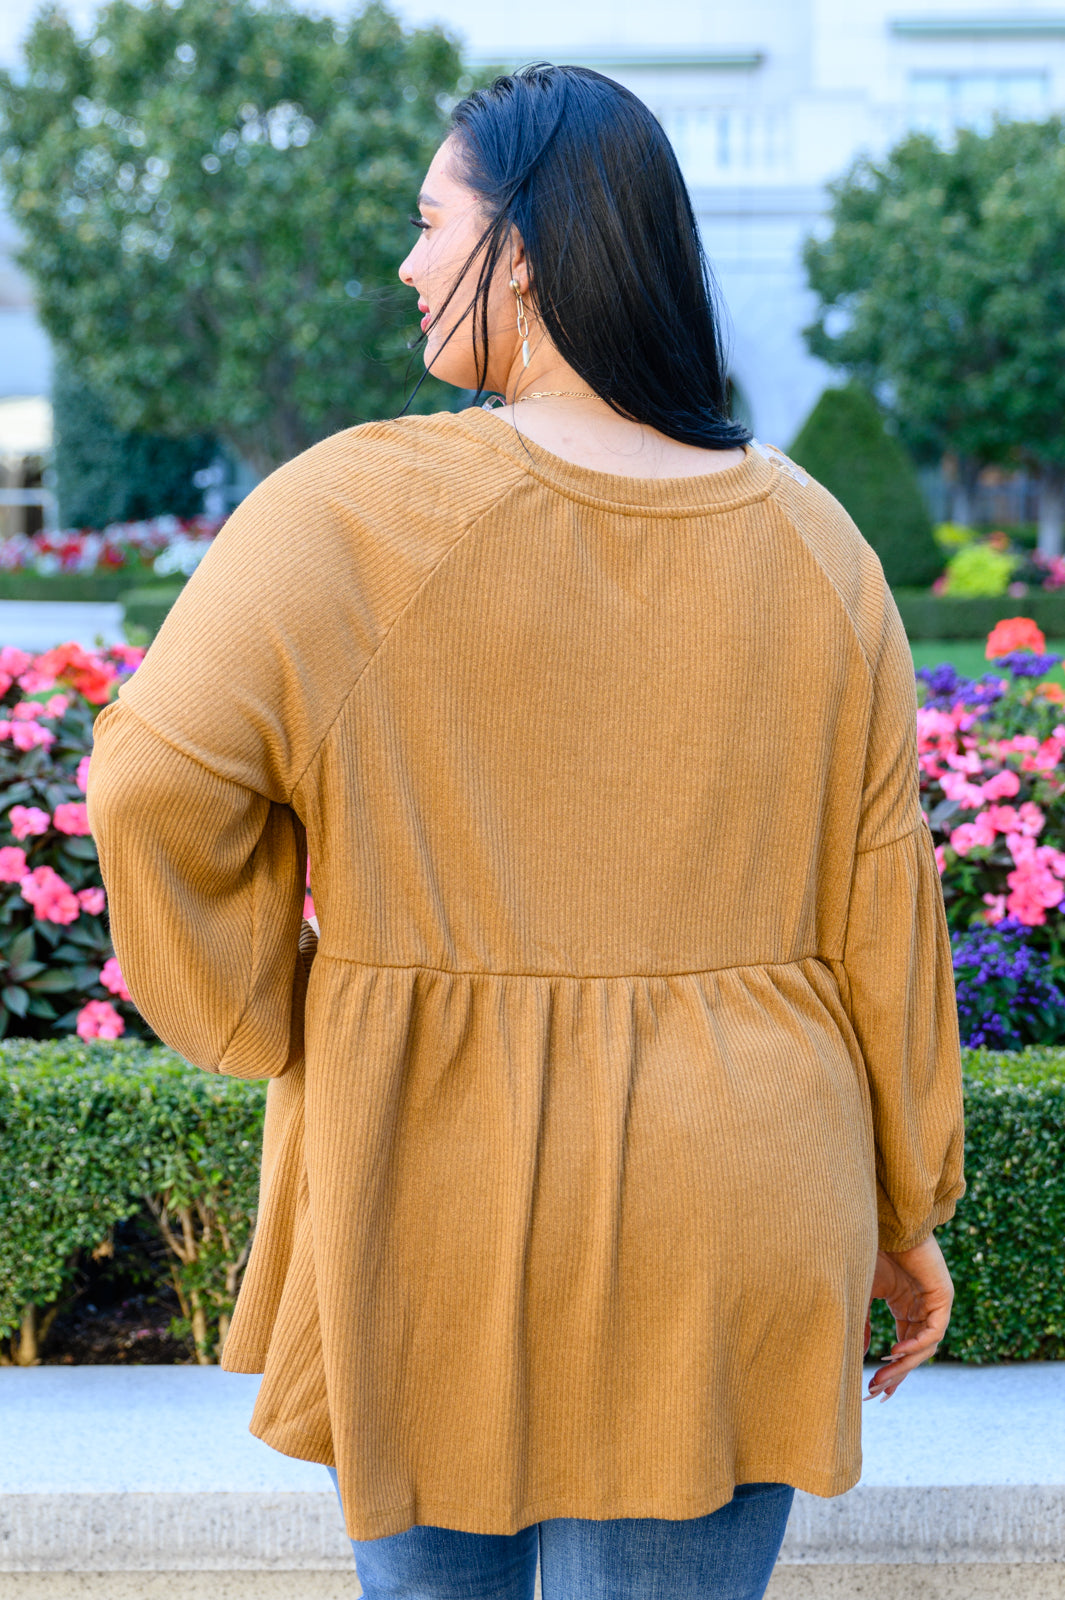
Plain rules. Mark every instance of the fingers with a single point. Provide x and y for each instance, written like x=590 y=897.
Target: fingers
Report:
x=904 y=1358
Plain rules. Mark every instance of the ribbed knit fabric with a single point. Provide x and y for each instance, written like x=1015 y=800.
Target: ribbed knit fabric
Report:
x=632 y=1021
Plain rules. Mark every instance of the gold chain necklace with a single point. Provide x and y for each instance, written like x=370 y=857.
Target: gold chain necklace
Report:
x=546 y=394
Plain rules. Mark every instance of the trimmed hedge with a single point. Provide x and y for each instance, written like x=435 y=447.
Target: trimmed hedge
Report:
x=90 y=1134
x=85 y=586
x=144 y=610
x=932 y=616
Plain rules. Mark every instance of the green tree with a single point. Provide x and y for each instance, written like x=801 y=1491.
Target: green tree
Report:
x=843 y=443
x=214 y=199
x=942 y=286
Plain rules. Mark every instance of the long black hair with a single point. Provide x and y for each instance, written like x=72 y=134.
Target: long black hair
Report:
x=621 y=282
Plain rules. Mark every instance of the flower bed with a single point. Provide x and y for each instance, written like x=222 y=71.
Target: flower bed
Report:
x=993 y=790
x=161 y=545
x=58 y=971
x=984 y=577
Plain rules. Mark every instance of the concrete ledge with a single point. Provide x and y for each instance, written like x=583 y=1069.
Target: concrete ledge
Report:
x=988 y=1522
x=997 y=1581
x=197 y=1586
x=257 y=1532
x=143 y=1471
x=947 y=1581
x=270 y=1532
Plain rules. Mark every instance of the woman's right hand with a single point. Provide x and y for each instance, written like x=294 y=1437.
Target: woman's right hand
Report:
x=918 y=1289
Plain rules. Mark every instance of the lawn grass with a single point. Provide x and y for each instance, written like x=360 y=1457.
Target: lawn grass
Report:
x=968 y=658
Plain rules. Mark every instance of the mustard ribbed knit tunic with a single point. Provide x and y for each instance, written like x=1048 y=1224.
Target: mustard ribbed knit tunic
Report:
x=631 y=1025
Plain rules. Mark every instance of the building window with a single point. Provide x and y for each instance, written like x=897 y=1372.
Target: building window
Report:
x=943 y=101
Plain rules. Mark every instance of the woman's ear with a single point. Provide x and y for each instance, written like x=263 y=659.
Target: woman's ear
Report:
x=519 y=267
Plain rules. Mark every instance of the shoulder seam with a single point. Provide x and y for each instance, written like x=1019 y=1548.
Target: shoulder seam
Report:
x=790 y=519
x=172 y=744
x=460 y=538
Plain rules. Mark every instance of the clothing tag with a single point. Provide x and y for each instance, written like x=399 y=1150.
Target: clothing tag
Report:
x=777 y=458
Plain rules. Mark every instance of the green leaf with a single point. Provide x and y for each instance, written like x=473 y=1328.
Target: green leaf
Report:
x=21 y=947
x=81 y=846
x=15 y=999
x=53 y=981
x=25 y=969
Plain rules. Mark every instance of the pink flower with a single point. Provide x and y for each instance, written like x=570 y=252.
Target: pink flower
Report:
x=1054 y=859
x=56 y=706
x=1033 y=887
x=98 y=1019
x=969 y=761
x=1029 y=818
x=27 y=735
x=71 y=817
x=34 y=682
x=52 y=899
x=92 y=900
x=308 y=907
x=997 y=907
x=1003 y=818
x=13 y=661
x=129 y=656
x=6 y=680
x=27 y=711
x=81 y=777
x=956 y=786
x=941 y=858
x=1044 y=758
x=1002 y=784
x=971 y=835
x=26 y=821
x=12 y=864
x=112 y=979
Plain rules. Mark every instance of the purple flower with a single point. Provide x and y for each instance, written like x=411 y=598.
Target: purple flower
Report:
x=1023 y=664
x=947 y=690
x=1006 y=992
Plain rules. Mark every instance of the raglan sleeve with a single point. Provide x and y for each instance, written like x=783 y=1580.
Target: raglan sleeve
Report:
x=193 y=770
x=899 y=976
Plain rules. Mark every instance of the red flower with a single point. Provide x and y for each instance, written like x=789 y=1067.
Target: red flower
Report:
x=1014 y=633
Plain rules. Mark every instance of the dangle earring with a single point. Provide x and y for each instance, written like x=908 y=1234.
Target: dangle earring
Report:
x=523 y=322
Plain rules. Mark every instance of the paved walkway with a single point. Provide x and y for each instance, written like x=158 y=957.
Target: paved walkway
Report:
x=120 y=1430
x=39 y=624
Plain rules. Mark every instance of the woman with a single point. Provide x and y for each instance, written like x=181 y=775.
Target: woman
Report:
x=623 y=1069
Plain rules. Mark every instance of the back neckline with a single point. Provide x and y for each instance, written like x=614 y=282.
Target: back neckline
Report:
x=749 y=480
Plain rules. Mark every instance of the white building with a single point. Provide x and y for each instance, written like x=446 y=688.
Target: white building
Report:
x=765 y=102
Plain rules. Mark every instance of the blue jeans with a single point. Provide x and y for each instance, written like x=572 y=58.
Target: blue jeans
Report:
x=728 y=1555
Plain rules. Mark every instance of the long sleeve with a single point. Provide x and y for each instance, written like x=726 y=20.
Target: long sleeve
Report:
x=205 y=885
x=191 y=790
x=898 y=969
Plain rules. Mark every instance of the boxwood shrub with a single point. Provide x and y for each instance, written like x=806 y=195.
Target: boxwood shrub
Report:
x=92 y=1133
x=933 y=616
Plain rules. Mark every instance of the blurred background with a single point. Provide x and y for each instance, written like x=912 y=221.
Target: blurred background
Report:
x=204 y=205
